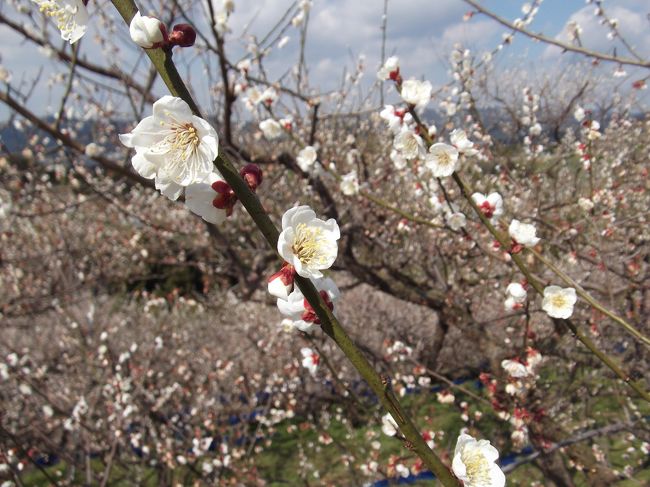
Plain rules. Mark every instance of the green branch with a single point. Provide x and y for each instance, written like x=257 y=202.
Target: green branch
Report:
x=330 y=325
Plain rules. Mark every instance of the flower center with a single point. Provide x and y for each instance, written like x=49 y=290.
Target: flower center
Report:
x=307 y=243
x=477 y=467
x=444 y=159
x=182 y=141
x=487 y=209
x=62 y=15
x=411 y=144
x=559 y=301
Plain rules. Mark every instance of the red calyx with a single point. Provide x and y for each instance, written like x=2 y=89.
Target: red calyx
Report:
x=516 y=247
x=226 y=197
x=252 y=174
x=287 y=274
x=310 y=315
x=487 y=209
x=183 y=35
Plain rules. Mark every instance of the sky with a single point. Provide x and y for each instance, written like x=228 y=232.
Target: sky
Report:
x=420 y=32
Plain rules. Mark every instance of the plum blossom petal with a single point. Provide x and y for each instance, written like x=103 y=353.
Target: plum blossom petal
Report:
x=308 y=243
x=199 y=198
x=558 y=302
x=71 y=17
x=146 y=32
x=474 y=463
x=173 y=145
x=442 y=160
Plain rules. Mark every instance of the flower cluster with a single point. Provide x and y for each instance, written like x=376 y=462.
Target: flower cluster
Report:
x=308 y=245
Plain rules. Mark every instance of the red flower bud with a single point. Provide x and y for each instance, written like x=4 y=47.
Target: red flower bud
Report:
x=252 y=174
x=516 y=247
x=182 y=35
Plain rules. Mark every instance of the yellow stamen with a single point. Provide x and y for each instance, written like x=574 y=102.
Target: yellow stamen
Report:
x=559 y=301
x=62 y=15
x=444 y=158
x=307 y=244
x=477 y=467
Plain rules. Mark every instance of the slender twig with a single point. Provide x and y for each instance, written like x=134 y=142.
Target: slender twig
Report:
x=555 y=42
x=330 y=325
x=587 y=297
x=586 y=435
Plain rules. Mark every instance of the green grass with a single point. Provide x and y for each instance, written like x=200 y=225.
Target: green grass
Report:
x=295 y=453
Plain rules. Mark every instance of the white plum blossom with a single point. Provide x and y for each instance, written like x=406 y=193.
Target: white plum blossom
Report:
x=308 y=243
x=71 y=17
x=271 y=129
x=491 y=205
x=558 y=302
x=146 y=32
x=310 y=360
x=456 y=220
x=514 y=368
x=593 y=130
x=389 y=69
x=269 y=96
x=174 y=146
x=535 y=130
x=398 y=159
x=229 y=6
x=474 y=463
x=298 y=20
x=389 y=425
x=252 y=97
x=5 y=75
x=395 y=118
x=409 y=144
x=221 y=22
x=579 y=113
x=350 y=183
x=445 y=397
x=302 y=315
x=199 y=198
x=307 y=158
x=244 y=65
x=459 y=140
x=416 y=92
x=523 y=233
x=93 y=150
x=515 y=295
x=585 y=204
x=442 y=160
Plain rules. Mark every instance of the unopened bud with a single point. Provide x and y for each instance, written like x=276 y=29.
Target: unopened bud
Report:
x=252 y=174
x=147 y=32
x=183 y=35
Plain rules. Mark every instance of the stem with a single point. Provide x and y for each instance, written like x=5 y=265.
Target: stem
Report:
x=587 y=297
x=330 y=325
x=505 y=243
x=564 y=46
